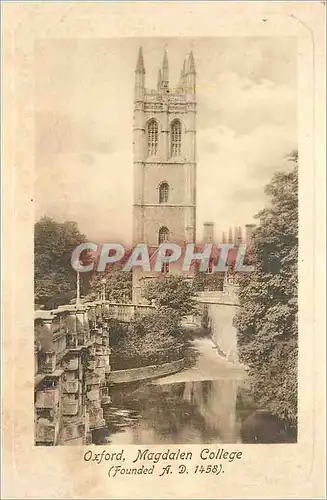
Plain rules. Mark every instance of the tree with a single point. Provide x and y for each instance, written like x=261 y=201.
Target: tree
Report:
x=267 y=319
x=55 y=279
x=154 y=338
x=173 y=292
x=207 y=281
x=118 y=284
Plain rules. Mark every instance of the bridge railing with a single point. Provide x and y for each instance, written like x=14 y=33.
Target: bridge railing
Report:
x=228 y=296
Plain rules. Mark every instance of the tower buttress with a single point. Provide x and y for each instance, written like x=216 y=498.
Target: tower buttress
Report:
x=138 y=141
x=190 y=146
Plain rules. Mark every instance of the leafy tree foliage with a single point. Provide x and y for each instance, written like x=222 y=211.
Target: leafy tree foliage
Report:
x=55 y=279
x=154 y=338
x=158 y=337
x=207 y=281
x=118 y=285
x=163 y=319
x=172 y=292
x=267 y=320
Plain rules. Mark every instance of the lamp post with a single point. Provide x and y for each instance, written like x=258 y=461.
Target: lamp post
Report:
x=78 y=283
x=78 y=289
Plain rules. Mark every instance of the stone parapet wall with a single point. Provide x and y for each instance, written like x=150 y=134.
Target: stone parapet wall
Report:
x=72 y=364
x=227 y=296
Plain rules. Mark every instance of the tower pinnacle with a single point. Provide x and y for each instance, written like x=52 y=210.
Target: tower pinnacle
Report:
x=159 y=79
x=165 y=76
x=140 y=62
x=191 y=64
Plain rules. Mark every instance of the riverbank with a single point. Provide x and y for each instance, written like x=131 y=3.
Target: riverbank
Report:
x=209 y=365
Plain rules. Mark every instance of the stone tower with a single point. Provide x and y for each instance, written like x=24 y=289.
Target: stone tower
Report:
x=164 y=131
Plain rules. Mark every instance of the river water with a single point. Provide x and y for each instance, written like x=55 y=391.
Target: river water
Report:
x=202 y=411
x=206 y=403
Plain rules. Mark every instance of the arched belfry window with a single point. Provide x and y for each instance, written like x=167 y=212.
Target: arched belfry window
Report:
x=163 y=192
x=152 y=138
x=163 y=235
x=176 y=138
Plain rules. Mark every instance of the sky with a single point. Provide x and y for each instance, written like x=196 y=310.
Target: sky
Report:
x=246 y=126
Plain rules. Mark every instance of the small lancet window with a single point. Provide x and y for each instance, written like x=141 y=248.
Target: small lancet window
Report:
x=152 y=138
x=163 y=235
x=176 y=138
x=163 y=192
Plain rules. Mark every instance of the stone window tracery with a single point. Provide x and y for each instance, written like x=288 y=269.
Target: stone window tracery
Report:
x=163 y=192
x=152 y=138
x=176 y=138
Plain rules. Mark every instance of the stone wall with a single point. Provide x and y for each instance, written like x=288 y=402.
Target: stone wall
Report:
x=224 y=334
x=145 y=372
x=221 y=308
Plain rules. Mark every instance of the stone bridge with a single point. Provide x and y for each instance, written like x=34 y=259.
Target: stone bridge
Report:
x=72 y=364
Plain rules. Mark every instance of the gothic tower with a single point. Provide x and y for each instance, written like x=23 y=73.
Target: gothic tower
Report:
x=164 y=156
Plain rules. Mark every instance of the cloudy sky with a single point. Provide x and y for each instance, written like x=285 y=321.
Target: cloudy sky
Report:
x=246 y=125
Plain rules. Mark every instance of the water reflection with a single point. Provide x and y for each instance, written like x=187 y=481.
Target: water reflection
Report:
x=212 y=411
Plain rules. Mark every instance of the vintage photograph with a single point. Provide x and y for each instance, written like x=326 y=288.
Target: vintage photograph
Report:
x=166 y=241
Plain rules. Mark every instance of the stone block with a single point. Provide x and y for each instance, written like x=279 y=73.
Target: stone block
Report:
x=48 y=398
x=46 y=432
x=71 y=364
x=70 y=407
x=91 y=351
x=93 y=395
x=71 y=387
x=91 y=364
x=92 y=378
x=47 y=362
